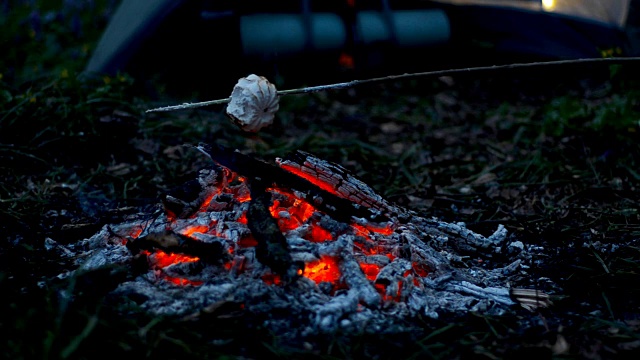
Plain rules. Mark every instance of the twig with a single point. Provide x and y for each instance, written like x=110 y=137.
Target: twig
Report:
x=190 y=105
x=344 y=85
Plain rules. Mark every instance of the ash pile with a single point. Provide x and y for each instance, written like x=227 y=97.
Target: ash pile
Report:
x=307 y=248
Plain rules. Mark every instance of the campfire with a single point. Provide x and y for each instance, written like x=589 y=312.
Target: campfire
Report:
x=304 y=239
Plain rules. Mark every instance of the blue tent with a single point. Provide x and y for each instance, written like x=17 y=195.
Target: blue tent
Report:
x=189 y=38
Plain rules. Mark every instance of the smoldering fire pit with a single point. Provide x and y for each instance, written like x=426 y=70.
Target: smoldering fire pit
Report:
x=307 y=247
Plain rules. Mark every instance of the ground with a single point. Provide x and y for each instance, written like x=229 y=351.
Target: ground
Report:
x=551 y=153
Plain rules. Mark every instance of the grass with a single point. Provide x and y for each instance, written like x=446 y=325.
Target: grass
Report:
x=553 y=157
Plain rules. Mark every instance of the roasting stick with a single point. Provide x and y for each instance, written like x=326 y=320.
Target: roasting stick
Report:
x=437 y=73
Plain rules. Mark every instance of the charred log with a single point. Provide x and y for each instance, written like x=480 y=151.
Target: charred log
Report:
x=337 y=180
x=339 y=208
x=170 y=242
x=272 y=249
x=185 y=200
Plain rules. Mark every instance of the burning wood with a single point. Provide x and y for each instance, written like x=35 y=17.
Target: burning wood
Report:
x=307 y=236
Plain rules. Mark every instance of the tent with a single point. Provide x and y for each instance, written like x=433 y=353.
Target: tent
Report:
x=196 y=39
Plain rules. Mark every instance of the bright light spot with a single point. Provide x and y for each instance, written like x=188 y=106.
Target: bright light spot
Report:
x=548 y=5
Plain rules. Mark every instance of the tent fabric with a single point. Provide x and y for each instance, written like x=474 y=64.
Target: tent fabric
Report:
x=132 y=22
x=611 y=12
x=546 y=28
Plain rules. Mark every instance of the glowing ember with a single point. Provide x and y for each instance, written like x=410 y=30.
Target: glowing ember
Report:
x=135 y=232
x=368 y=248
x=325 y=269
x=365 y=231
x=291 y=212
x=382 y=290
x=271 y=279
x=244 y=197
x=318 y=234
x=420 y=269
x=311 y=178
x=206 y=202
x=360 y=230
x=162 y=259
x=286 y=221
x=196 y=229
x=247 y=241
x=370 y=271
x=384 y=230
x=236 y=187
x=181 y=281
x=132 y=234
x=243 y=218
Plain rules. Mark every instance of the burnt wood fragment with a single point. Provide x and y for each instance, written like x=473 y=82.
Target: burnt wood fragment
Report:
x=171 y=242
x=185 y=200
x=530 y=299
x=272 y=249
x=337 y=180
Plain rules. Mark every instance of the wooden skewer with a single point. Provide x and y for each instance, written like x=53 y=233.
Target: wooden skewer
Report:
x=448 y=72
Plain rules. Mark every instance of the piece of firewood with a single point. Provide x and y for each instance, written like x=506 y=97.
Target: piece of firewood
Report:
x=171 y=242
x=185 y=200
x=272 y=249
x=339 y=208
x=337 y=180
